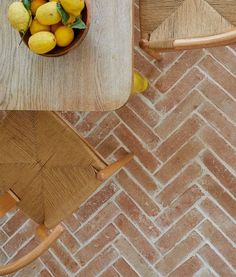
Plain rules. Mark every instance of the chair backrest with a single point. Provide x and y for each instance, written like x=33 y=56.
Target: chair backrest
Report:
x=184 y=24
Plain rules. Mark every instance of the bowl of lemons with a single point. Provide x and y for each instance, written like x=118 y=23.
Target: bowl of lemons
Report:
x=51 y=28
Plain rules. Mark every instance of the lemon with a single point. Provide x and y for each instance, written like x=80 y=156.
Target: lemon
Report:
x=19 y=17
x=35 y=4
x=73 y=7
x=64 y=36
x=47 y=14
x=42 y=42
x=56 y=26
x=36 y=27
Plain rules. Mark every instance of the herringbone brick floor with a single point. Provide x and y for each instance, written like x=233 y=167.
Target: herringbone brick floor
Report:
x=172 y=210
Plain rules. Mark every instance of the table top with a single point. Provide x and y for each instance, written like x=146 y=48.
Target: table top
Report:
x=96 y=76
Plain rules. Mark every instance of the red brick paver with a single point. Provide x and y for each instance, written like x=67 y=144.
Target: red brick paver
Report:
x=172 y=210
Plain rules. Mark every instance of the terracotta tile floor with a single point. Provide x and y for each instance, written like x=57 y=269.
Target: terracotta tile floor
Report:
x=172 y=210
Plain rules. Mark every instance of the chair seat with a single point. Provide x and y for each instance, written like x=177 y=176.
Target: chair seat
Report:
x=46 y=164
x=179 y=19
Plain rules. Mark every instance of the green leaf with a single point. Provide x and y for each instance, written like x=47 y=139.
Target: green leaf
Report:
x=78 y=24
x=27 y=4
x=64 y=15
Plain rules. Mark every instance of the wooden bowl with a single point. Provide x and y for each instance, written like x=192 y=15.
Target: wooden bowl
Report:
x=79 y=35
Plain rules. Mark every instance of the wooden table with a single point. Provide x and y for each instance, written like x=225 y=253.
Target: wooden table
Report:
x=95 y=76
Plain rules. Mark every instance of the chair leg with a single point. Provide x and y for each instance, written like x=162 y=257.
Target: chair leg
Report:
x=7 y=202
x=107 y=172
x=42 y=232
x=140 y=83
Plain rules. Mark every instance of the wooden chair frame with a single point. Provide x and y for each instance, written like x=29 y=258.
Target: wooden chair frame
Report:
x=154 y=48
x=9 y=200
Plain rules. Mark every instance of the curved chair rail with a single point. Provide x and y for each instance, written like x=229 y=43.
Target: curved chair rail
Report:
x=190 y=43
x=34 y=254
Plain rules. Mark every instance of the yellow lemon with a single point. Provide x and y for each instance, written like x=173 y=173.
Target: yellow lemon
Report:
x=55 y=1
x=73 y=7
x=42 y=42
x=36 y=27
x=19 y=17
x=64 y=36
x=35 y=4
x=47 y=14
x=56 y=26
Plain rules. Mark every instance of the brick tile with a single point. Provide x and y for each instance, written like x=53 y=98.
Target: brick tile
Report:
x=188 y=152
x=14 y=223
x=65 y=257
x=179 y=114
x=145 y=134
x=69 y=242
x=220 y=218
x=219 y=98
x=110 y=272
x=99 y=263
x=19 y=238
x=217 y=72
x=169 y=239
x=89 y=122
x=136 y=170
x=219 y=122
x=146 y=203
x=218 y=169
x=109 y=145
x=219 y=146
x=225 y=57
x=103 y=129
x=124 y=269
x=134 y=258
x=3 y=237
x=179 y=184
x=220 y=195
x=137 y=216
x=136 y=238
x=53 y=265
x=72 y=222
x=219 y=242
x=182 y=250
x=216 y=262
x=45 y=273
x=178 y=138
x=96 y=201
x=97 y=222
x=168 y=59
x=187 y=60
x=180 y=206
x=179 y=91
x=151 y=94
x=97 y=244
x=135 y=146
x=145 y=111
x=147 y=69
x=188 y=268
x=3 y=257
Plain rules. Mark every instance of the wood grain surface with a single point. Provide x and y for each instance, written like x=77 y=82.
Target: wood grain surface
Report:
x=95 y=76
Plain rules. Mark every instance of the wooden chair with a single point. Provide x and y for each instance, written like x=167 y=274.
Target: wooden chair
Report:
x=169 y=25
x=48 y=171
